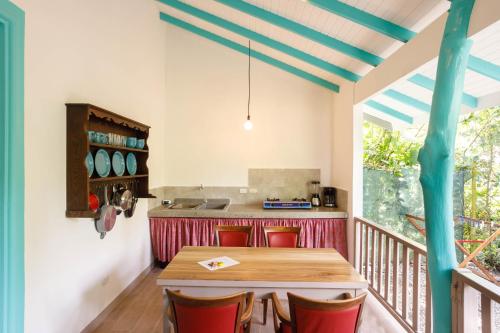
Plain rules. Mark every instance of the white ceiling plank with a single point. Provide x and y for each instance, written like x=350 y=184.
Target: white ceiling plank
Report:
x=255 y=45
x=488 y=101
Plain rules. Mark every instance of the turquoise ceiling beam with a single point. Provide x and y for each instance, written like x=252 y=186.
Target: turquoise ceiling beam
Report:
x=408 y=100
x=291 y=51
x=428 y=83
x=395 y=31
x=389 y=111
x=366 y=19
x=484 y=67
x=244 y=49
x=304 y=31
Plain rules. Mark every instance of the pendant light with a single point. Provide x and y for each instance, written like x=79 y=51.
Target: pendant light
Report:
x=248 y=123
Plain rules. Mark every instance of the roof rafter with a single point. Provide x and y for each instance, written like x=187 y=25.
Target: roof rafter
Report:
x=389 y=111
x=428 y=83
x=366 y=19
x=408 y=100
x=255 y=54
x=484 y=67
x=242 y=31
x=304 y=31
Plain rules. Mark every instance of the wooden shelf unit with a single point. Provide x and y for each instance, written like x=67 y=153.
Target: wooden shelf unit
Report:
x=119 y=148
x=81 y=118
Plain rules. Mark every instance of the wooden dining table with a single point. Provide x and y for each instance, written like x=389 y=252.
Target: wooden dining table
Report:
x=315 y=273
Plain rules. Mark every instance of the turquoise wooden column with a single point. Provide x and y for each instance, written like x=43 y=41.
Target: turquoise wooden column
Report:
x=11 y=168
x=437 y=160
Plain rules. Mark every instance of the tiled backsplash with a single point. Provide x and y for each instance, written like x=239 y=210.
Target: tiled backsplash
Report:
x=285 y=184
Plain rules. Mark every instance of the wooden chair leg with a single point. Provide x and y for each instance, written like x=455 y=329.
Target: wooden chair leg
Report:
x=264 y=312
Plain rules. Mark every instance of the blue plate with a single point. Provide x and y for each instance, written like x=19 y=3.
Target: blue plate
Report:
x=89 y=163
x=102 y=163
x=118 y=163
x=131 y=164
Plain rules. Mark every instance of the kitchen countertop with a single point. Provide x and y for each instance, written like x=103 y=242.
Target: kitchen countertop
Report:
x=250 y=211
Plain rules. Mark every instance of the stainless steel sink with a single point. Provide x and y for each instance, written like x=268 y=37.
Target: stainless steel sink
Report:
x=184 y=206
x=218 y=204
x=198 y=204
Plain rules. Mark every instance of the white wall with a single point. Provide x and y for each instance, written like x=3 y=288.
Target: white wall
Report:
x=207 y=104
x=112 y=54
x=343 y=151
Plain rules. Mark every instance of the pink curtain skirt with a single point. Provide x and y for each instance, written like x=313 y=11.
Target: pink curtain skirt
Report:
x=169 y=235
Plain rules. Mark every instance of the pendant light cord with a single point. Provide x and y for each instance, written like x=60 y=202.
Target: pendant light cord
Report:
x=248 y=107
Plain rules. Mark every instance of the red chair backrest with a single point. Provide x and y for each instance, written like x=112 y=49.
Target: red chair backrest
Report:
x=208 y=315
x=214 y=319
x=233 y=235
x=282 y=239
x=309 y=316
x=280 y=236
x=233 y=238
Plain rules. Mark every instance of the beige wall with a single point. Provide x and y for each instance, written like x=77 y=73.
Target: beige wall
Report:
x=207 y=103
x=110 y=54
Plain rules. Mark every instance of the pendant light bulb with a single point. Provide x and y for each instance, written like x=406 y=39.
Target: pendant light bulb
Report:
x=248 y=124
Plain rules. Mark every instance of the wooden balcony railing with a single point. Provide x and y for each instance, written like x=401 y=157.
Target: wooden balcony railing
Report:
x=474 y=300
x=396 y=270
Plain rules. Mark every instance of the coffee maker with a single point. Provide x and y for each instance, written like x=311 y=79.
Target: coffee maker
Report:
x=329 y=194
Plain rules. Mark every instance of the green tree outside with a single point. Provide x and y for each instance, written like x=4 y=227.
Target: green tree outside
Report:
x=391 y=187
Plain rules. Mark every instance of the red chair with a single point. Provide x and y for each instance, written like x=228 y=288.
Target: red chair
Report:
x=278 y=236
x=311 y=316
x=210 y=315
x=232 y=235
x=282 y=236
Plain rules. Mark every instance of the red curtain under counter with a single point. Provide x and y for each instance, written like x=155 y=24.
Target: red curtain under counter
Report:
x=170 y=234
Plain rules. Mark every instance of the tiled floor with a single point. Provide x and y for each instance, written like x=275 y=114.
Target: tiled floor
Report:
x=141 y=312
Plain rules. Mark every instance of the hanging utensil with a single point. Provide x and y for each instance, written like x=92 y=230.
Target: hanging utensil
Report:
x=122 y=197
x=107 y=219
x=130 y=212
x=93 y=202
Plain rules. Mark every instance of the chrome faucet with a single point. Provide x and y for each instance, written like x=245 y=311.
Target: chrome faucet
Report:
x=204 y=195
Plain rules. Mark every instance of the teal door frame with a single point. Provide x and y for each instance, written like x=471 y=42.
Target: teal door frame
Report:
x=11 y=168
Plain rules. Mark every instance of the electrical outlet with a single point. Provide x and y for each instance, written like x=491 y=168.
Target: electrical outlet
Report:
x=243 y=191
x=253 y=190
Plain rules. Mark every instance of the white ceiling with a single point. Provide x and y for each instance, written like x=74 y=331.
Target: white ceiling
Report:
x=414 y=15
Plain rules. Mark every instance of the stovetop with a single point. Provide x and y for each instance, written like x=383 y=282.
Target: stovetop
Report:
x=295 y=203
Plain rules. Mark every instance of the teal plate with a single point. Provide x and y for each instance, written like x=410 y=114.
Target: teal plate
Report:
x=89 y=163
x=131 y=164
x=118 y=163
x=102 y=163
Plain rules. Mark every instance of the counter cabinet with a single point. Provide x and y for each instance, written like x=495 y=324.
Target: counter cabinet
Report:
x=170 y=234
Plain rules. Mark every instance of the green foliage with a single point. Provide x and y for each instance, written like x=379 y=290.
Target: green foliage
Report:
x=490 y=255
x=477 y=150
x=391 y=187
x=387 y=198
x=386 y=150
